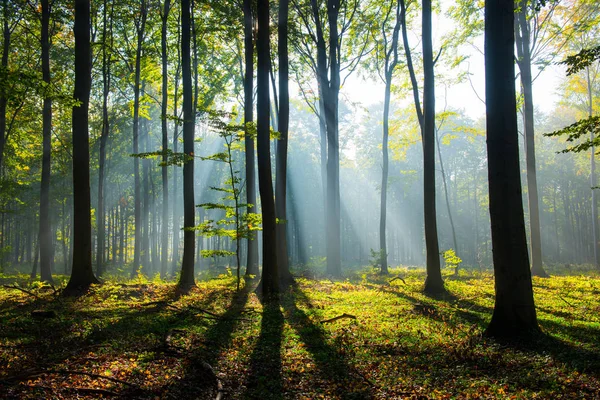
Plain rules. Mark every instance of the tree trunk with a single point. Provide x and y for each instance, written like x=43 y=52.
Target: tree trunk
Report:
x=165 y=141
x=334 y=265
x=45 y=232
x=524 y=62
x=514 y=311
x=270 y=276
x=390 y=62
x=145 y=220
x=82 y=275
x=100 y=261
x=252 y=256
x=433 y=282
x=186 y=279
x=137 y=244
x=6 y=33
x=285 y=276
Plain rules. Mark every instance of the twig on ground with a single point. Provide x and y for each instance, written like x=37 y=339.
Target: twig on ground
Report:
x=563 y=299
x=21 y=289
x=344 y=315
x=397 y=277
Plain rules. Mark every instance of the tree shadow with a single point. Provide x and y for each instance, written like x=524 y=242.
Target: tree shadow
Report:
x=264 y=380
x=343 y=379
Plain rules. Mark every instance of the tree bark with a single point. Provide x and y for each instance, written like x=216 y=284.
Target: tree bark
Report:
x=270 y=276
x=137 y=244
x=331 y=100
x=186 y=279
x=433 y=282
x=285 y=276
x=252 y=255
x=82 y=275
x=45 y=230
x=6 y=33
x=514 y=311
x=165 y=140
x=100 y=260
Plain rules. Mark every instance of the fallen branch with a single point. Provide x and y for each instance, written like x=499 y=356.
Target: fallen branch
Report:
x=397 y=277
x=344 y=315
x=563 y=299
x=21 y=289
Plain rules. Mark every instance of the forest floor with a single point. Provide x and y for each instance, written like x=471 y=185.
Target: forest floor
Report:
x=140 y=340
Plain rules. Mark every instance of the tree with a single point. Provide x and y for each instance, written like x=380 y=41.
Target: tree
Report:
x=390 y=61
x=514 y=310
x=186 y=279
x=140 y=25
x=45 y=230
x=107 y=45
x=252 y=255
x=82 y=275
x=282 y=145
x=270 y=276
x=165 y=138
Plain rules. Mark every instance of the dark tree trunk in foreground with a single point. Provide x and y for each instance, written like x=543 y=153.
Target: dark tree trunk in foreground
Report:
x=524 y=61
x=45 y=234
x=514 y=311
x=331 y=100
x=186 y=279
x=165 y=141
x=270 y=276
x=282 y=146
x=140 y=27
x=433 y=282
x=82 y=275
x=252 y=256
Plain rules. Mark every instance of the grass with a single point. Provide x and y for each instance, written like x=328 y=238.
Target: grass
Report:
x=138 y=339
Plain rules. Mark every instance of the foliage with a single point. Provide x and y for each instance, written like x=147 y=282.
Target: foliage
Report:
x=244 y=224
x=576 y=131
x=581 y=60
x=451 y=259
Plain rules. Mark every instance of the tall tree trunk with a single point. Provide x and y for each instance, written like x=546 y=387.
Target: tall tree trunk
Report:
x=270 y=276
x=390 y=62
x=523 y=42
x=433 y=282
x=514 y=311
x=252 y=256
x=45 y=232
x=285 y=276
x=186 y=279
x=6 y=33
x=176 y=228
x=100 y=261
x=334 y=264
x=165 y=140
x=137 y=244
x=82 y=275
x=145 y=140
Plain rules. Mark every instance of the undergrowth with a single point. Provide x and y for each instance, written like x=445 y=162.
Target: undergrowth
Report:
x=364 y=337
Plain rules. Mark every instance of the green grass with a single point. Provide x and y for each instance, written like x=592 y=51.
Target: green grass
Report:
x=401 y=344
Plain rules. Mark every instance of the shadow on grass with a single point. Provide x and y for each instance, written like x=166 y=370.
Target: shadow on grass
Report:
x=341 y=378
x=264 y=380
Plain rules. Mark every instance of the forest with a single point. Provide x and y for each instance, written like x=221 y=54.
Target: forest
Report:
x=299 y=199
